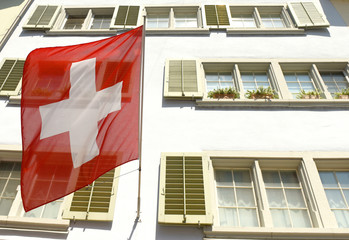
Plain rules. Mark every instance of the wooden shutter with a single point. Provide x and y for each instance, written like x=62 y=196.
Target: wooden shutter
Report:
x=216 y=15
x=43 y=17
x=184 y=186
x=11 y=73
x=96 y=201
x=182 y=79
x=127 y=16
x=307 y=15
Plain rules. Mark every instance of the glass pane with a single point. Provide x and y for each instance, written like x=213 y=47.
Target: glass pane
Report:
x=271 y=179
x=212 y=77
x=280 y=218
x=5 y=169
x=51 y=210
x=247 y=77
x=328 y=179
x=303 y=77
x=16 y=172
x=228 y=217
x=226 y=84
x=261 y=78
x=35 y=213
x=295 y=198
x=346 y=195
x=245 y=197
x=343 y=178
x=226 y=197
x=276 y=198
x=74 y=22
x=290 y=77
x=248 y=217
x=267 y=23
x=342 y=217
x=2 y=185
x=5 y=205
x=300 y=218
x=11 y=188
x=335 y=198
x=289 y=178
x=242 y=178
x=224 y=178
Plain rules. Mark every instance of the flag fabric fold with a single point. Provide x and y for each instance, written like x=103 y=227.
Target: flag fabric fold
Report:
x=79 y=115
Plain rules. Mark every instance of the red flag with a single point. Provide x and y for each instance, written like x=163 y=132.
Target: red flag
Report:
x=79 y=110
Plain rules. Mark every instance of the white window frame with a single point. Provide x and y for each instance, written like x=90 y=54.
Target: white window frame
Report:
x=15 y=219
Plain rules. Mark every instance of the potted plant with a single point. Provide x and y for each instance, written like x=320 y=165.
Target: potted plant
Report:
x=226 y=93
x=261 y=93
x=344 y=94
x=314 y=94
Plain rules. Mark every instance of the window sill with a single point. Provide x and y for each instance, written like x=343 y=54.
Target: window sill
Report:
x=334 y=103
x=34 y=224
x=276 y=233
x=84 y=32
x=176 y=31
x=231 y=31
x=15 y=100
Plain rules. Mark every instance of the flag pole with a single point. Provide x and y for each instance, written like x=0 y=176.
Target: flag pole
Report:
x=141 y=87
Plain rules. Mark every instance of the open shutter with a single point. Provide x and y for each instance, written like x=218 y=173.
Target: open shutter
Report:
x=216 y=15
x=307 y=15
x=94 y=202
x=11 y=73
x=42 y=18
x=127 y=16
x=181 y=79
x=184 y=186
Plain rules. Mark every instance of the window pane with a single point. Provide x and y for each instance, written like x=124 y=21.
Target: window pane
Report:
x=276 y=198
x=248 y=217
x=186 y=20
x=346 y=195
x=335 y=198
x=280 y=218
x=300 y=218
x=295 y=198
x=51 y=210
x=228 y=217
x=101 y=22
x=242 y=178
x=289 y=179
x=343 y=178
x=245 y=197
x=5 y=206
x=11 y=188
x=226 y=197
x=35 y=213
x=224 y=178
x=342 y=217
x=74 y=22
x=328 y=179
x=5 y=169
x=271 y=179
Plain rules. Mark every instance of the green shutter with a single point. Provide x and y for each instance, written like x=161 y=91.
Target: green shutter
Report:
x=182 y=79
x=127 y=16
x=11 y=73
x=184 y=197
x=216 y=15
x=42 y=18
x=306 y=14
x=94 y=202
x=132 y=16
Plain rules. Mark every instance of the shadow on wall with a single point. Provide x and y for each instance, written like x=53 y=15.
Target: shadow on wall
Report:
x=10 y=3
x=332 y=15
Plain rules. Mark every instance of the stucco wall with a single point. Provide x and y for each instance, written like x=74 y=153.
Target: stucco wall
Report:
x=342 y=6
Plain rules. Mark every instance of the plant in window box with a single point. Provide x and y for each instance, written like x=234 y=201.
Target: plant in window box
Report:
x=314 y=94
x=344 y=94
x=261 y=93
x=226 y=93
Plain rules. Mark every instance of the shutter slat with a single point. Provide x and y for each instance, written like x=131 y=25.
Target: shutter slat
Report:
x=175 y=76
x=223 y=18
x=132 y=16
x=211 y=15
x=121 y=15
x=313 y=13
x=34 y=19
x=190 y=76
x=47 y=15
x=301 y=15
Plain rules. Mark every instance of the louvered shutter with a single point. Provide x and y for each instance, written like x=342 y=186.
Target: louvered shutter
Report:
x=182 y=79
x=184 y=186
x=216 y=15
x=306 y=14
x=43 y=17
x=127 y=16
x=96 y=201
x=11 y=73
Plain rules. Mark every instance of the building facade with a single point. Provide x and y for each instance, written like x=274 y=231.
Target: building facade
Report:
x=244 y=124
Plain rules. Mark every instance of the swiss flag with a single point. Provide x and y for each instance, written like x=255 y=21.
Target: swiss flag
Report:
x=79 y=111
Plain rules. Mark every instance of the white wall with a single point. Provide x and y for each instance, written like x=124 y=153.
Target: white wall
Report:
x=171 y=125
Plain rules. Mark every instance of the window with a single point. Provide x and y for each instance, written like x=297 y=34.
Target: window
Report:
x=335 y=81
x=286 y=199
x=298 y=81
x=11 y=71
x=243 y=21
x=178 y=19
x=236 y=199
x=272 y=21
x=253 y=80
x=336 y=185
x=10 y=173
x=56 y=19
x=219 y=80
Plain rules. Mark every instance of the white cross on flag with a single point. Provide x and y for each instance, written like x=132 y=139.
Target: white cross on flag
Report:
x=79 y=111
